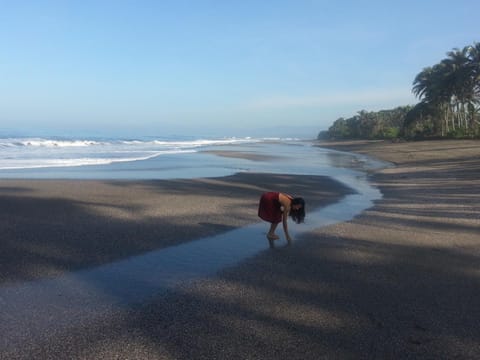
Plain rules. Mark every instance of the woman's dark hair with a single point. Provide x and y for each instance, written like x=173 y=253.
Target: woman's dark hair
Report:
x=298 y=215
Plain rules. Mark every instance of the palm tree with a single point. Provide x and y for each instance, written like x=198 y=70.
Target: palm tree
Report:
x=474 y=63
x=474 y=68
x=466 y=72
x=453 y=87
x=422 y=83
x=432 y=86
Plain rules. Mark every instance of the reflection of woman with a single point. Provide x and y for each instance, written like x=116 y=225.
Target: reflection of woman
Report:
x=275 y=207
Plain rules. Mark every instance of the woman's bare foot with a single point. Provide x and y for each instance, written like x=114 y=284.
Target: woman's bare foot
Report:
x=270 y=242
x=271 y=238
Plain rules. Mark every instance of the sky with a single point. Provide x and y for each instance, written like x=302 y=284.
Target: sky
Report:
x=220 y=68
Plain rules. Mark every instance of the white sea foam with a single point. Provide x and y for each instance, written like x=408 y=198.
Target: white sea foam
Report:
x=69 y=162
x=35 y=152
x=39 y=142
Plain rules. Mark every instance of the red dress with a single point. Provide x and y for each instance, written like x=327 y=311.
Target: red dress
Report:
x=269 y=207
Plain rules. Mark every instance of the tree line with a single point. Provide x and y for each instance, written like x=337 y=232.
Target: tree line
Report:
x=448 y=107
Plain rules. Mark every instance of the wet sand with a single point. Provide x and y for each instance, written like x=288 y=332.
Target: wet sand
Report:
x=400 y=281
x=50 y=227
x=242 y=155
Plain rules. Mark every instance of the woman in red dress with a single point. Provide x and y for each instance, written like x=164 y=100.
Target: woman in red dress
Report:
x=275 y=207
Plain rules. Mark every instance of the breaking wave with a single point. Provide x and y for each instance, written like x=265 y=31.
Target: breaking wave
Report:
x=34 y=152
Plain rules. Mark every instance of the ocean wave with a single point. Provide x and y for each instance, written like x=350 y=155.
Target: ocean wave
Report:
x=191 y=143
x=64 y=143
x=40 y=152
x=17 y=164
x=38 y=142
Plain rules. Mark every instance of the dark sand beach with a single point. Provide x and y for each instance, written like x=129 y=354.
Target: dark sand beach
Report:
x=399 y=281
x=53 y=226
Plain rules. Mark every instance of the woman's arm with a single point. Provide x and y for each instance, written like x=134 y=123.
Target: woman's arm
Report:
x=285 y=225
x=286 y=204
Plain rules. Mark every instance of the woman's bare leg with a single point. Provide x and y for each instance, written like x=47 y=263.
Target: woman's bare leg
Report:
x=271 y=232
x=271 y=236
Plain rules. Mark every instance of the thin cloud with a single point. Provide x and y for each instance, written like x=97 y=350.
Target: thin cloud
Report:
x=360 y=98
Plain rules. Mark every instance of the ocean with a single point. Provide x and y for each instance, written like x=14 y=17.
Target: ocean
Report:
x=63 y=157
x=164 y=157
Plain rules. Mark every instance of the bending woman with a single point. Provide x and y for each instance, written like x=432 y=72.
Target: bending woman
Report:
x=275 y=207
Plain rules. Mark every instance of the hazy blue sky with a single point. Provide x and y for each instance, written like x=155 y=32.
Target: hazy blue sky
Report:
x=220 y=67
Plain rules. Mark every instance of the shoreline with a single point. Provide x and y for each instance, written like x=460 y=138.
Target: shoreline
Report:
x=241 y=155
x=400 y=280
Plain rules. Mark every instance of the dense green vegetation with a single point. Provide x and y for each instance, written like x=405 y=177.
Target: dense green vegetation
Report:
x=449 y=107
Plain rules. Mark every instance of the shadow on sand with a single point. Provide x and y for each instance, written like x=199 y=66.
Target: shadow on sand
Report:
x=397 y=282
